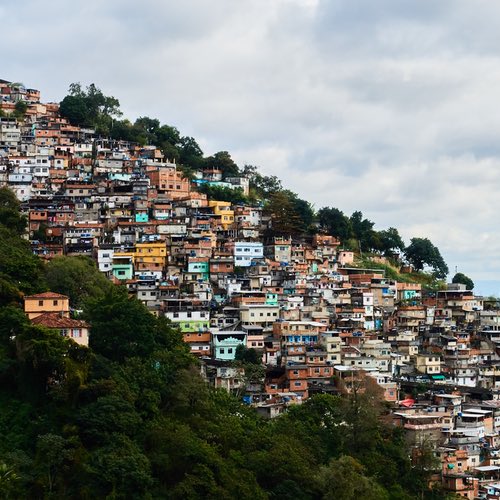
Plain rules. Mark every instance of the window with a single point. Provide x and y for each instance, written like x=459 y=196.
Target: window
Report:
x=222 y=350
x=40 y=303
x=297 y=384
x=230 y=350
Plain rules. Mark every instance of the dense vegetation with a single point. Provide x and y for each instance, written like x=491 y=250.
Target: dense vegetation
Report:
x=131 y=417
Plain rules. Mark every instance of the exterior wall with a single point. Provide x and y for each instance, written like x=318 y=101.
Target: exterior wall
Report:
x=190 y=321
x=169 y=181
x=37 y=305
x=105 y=260
x=79 y=335
x=123 y=271
x=225 y=345
x=251 y=315
x=201 y=268
x=151 y=253
x=345 y=258
x=222 y=210
x=245 y=251
x=430 y=365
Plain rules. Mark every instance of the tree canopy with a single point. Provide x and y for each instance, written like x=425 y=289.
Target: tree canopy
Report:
x=421 y=252
x=464 y=280
x=90 y=108
x=290 y=216
x=78 y=278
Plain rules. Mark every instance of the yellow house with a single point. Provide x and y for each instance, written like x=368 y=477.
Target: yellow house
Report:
x=223 y=210
x=47 y=302
x=151 y=255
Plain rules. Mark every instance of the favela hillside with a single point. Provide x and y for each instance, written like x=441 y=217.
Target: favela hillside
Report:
x=174 y=325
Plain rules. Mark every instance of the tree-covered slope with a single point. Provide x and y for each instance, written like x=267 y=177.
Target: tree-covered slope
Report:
x=131 y=417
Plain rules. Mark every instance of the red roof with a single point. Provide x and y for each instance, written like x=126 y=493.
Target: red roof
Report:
x=47 y=295
x=55 y=320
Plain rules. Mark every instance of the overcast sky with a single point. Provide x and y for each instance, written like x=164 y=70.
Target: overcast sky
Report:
x=390 y=107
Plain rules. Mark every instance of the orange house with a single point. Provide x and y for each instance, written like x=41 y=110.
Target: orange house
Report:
x=47 y=302
x=170 y=181
x=297 y=379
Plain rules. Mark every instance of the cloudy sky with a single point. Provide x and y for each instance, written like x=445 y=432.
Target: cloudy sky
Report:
x=390 y=107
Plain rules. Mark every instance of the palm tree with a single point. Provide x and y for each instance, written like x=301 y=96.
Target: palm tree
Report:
x=8 y=478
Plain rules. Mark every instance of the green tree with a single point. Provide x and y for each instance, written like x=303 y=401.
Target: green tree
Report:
x=20 y=109
x=345 y=479
x=125 y=130
x=335 y=223
x=12 y=322
x=90 y=108
x=306 y=213
x=464 y=280
x=223 y=161
x=421 y=252
x=19 y=268
x=119 y=470
x=52 y=451
x=78 y=278
x=221 y=193
x=362 y=231
x=168 y=140
x=75 y=110
x=99 y=421
x=9 y=481
x=285 y=218
x=10 y=212
x=42 y=355
x=121 y=327
x=261 y=185
x=150 y=125
x=391 y=241
x=190 y=153
x=248 y=355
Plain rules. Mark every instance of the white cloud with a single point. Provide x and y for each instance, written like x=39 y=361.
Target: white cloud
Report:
x=387 y=107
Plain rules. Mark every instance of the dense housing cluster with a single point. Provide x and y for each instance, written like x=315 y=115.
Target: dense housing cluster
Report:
x=315 y=319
